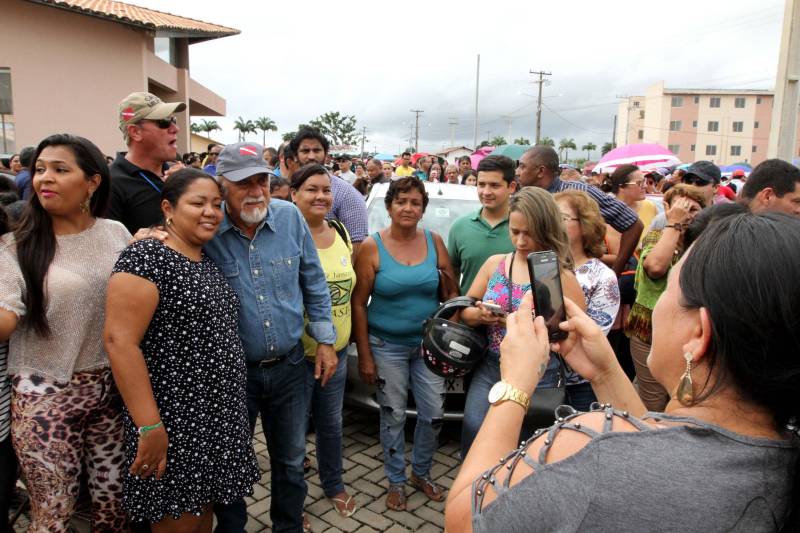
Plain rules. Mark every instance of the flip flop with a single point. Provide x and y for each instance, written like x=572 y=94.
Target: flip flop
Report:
x=342 y=506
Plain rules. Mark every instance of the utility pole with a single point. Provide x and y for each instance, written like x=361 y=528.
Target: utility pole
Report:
x=416 y=134
x=541 y=81
x=783 y=128
x=614 y=132
x=363 y=138
x=452 y=123
x=508 y=119
x=477 y=84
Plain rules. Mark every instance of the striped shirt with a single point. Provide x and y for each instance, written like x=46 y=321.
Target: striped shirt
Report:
x=618 y=215
x=5 y=393
x=349 y=208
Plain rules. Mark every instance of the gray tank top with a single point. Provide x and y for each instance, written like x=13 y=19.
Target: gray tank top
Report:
x=688 y=478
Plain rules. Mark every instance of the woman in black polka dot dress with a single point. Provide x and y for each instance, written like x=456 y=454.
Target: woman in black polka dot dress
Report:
x=188 y=444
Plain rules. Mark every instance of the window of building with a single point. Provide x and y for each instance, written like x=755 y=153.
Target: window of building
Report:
x=641 y=134
x=675 y=125
x=713 y=125
x=754 y=148
x=714 y=101
x=755 y=124
x=674 y=148
x=7 y=131
x=636 y=103
x=738 y=102
x=164 y=48
x=694 y=123
x=736 y=150
x=691 y=148
x=711 y=149
x=738 y=127
x=758 y=100
x=641 y=113
x=677 y=101
x=696 y=99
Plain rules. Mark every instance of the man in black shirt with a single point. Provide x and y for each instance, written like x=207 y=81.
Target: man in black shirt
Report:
x=151 y=133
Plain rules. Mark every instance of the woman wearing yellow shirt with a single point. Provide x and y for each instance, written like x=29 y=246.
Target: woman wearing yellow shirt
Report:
x=311 y=193
x=627 y=183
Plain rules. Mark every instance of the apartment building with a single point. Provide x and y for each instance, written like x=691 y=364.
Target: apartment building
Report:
x=66 y=64
x=720 y=125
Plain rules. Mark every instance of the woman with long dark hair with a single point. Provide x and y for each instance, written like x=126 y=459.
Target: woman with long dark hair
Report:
x=725 y=453
x=53 y=275
x=171 y=335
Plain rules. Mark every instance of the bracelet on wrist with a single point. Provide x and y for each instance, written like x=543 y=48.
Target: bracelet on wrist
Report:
x=143 y=430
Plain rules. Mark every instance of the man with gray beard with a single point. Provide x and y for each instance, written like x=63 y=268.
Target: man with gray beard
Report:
x=265 y=250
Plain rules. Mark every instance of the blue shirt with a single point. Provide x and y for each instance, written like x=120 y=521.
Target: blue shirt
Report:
x=210 y=169
x=276 y=275
x=23 y=181
x=618 y=215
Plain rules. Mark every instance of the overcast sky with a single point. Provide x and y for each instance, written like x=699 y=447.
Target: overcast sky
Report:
x=377 y=60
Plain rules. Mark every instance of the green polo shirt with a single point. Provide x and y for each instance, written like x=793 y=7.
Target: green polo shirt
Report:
x=472 y=241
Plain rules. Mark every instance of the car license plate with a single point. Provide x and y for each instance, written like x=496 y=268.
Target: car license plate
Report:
x=454 y=386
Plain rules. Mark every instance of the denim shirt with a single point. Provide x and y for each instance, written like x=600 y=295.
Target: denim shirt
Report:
x=277 y=275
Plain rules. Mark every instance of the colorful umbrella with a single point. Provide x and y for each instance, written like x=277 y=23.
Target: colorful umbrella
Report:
x=479 y=154
x=514 y=151
x=384 y=157
x=645 y=156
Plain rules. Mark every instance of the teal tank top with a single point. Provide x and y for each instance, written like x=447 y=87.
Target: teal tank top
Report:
x=403 y=296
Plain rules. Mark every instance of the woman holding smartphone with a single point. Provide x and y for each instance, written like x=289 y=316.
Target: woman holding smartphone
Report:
x=534 y=225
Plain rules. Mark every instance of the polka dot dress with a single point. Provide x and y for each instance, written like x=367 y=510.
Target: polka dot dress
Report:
x=198 y=374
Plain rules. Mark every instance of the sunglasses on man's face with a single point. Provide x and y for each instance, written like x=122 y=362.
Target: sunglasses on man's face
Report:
x=691 y=179
x=164 y=123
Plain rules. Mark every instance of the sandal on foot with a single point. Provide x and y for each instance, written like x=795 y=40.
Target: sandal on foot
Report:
x=396 y=498
x=344 y=504
x=306 y=524
x=425 y=484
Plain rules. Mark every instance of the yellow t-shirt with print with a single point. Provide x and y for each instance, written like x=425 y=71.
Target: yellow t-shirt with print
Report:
x=338 y=266
x=403 y=171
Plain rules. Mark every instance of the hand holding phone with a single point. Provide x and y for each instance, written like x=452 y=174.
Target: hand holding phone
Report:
x=494 y=309
x=548 y=296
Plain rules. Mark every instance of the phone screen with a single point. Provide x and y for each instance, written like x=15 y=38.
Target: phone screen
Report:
x=548 y=298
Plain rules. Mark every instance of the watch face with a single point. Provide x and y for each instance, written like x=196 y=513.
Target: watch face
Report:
x=497 y=391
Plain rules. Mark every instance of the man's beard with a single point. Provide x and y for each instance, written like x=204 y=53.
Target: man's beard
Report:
x=253 y=216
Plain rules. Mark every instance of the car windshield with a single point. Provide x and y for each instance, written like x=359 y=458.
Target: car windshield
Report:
x=439 y=215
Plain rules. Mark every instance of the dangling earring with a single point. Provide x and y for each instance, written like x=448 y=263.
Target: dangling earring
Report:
x=86 y=206
x=685 y=392
x=169 y=221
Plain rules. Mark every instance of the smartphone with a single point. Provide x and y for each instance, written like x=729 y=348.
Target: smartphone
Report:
x=548 y=297
x=494 y=309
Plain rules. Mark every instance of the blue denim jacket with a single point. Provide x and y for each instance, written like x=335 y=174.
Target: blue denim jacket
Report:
x=277 y=275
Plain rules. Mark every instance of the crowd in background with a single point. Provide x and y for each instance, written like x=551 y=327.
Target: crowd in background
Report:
x=154 y=308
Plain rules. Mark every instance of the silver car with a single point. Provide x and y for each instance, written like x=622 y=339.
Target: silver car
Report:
x=446 y=203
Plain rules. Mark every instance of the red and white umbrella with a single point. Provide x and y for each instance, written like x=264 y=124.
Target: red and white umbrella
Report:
x=644 y=156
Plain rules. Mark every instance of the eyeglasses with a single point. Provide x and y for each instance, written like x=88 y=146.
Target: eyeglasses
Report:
x=567 y=218
x=636 y=183
x=163 y=123
x=692 y=179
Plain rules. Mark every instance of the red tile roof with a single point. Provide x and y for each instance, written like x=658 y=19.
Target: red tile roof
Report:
x=142 y=17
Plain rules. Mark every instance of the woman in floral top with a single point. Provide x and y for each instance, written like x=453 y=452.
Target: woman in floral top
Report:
x=586 y=229
x=534 y=224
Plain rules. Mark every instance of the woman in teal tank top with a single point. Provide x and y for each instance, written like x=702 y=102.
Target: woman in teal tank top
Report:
x=397 y=272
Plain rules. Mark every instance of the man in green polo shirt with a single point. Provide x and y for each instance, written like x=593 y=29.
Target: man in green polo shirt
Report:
x=477 y=236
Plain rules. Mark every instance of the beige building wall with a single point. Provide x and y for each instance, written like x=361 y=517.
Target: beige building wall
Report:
x=68 y=74
x=657 y=111
x=631 y=117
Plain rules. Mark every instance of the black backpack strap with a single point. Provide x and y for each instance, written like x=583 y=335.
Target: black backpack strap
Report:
x=335 y=224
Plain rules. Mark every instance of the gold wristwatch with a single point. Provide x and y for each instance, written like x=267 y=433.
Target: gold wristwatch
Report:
x=502 y=391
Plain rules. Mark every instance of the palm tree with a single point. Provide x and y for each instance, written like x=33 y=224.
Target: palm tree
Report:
x=607 y=147
x=208 y=126
x=244 y=127
x=522 y=141
x=546 y=141
x=265 y=124
x=589 y=147
x=565 y=145
x=195 y=128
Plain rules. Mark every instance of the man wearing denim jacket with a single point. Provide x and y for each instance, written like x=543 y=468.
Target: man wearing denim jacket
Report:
x=266 y=252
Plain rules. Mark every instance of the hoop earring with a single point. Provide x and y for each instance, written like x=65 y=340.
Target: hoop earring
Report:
x=685 y=392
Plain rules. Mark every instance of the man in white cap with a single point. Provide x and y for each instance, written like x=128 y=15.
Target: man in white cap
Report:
x=266 y=252
x=150 y=130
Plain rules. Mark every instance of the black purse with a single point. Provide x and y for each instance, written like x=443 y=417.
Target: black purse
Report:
x=545 y=401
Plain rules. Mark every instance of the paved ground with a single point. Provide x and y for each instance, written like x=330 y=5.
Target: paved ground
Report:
x=363 y=476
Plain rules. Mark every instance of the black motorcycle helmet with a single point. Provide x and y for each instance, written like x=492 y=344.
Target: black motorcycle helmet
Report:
x=451 y=349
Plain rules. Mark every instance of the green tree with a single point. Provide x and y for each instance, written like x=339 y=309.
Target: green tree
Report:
x=289 y=135
x=522 y=141
x=579 y=162
x=265 y=124
x=340 y=129
x=195 y=128
x=589 y=147
x=565 y=145
x=607 y=147
x=483 y=144
x=244 y=127
x=497 y=140
x=546 y=141
x=208 y=126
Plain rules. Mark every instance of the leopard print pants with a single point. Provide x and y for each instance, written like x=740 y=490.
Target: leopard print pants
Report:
x=57 y=431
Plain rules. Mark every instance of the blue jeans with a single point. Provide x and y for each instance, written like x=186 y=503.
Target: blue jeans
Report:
x=326 y=407
x=398 y=365
x=477 y=405
x=581 y=396
x=278 y=393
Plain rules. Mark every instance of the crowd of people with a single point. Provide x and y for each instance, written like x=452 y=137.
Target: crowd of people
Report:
x=153 y=307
